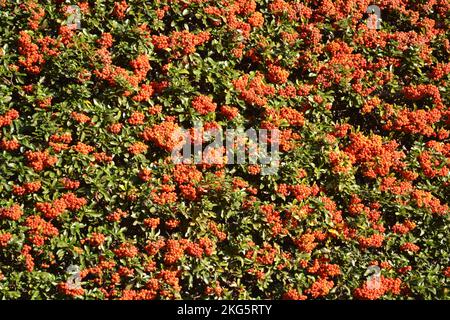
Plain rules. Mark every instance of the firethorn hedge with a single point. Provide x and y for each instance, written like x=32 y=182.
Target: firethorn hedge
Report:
x=86 y=122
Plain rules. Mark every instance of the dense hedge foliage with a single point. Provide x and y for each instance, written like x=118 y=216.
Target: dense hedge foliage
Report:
x=86 y=177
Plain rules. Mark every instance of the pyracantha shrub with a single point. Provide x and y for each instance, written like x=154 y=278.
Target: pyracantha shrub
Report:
x=88 y=116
